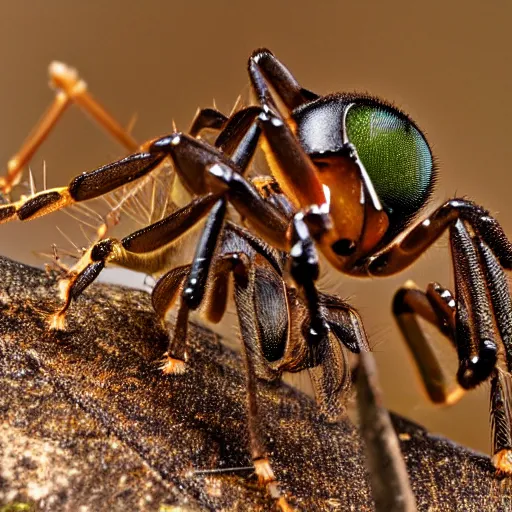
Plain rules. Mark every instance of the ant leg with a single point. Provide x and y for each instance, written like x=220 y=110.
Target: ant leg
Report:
x=501 y=421
x=438 y=307
x=163 y=297
x=468 y=321
x=475 y=337
x=165 y=292
x=144 y=250
x=501 y=382
x=195 y=282
x=262 y=466
x=258 y=335
x=70 y=88
x=203 y=168
x=207 y=119
x=290 y=164
x=478 y=355
x=497 y=285
x=195 y=285
x=400 y=254
x=288 y=161
x=67 y=80
x=84 y=187
x=305 y=270
x=191 y=157
x=265 y=69
x=331 y=375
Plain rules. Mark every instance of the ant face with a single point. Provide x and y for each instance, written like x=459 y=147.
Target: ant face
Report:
x=376 y=167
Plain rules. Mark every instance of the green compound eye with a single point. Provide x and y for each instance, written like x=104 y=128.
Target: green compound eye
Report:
x=395 y=155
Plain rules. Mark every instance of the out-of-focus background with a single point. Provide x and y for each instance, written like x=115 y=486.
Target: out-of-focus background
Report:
x=445 y=63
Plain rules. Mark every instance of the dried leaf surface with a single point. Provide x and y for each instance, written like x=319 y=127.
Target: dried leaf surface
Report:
x=89 y=423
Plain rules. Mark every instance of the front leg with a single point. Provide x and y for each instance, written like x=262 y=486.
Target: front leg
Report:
x=70 y=88
x=266 y=71
x=400 y=254
x=294 y=235
x=290 y=164
x=89 y=185
x=143 y=250
x=476 y=262
x=480 y=250
x=191 y=158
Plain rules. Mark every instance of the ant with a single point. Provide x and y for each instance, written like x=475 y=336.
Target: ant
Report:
x=349 y=174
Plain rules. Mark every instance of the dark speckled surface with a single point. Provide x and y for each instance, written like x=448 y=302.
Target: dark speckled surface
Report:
x=87 y=420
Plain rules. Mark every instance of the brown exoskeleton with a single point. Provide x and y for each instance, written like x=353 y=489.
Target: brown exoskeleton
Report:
x=273 y=319
x=349 y=173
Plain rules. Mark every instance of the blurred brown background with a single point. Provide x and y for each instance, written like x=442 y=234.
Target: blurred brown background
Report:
x=445 y=63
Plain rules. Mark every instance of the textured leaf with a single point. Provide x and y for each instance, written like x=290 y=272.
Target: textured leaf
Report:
x=88 y=421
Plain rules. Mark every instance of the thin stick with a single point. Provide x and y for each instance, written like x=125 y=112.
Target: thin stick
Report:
x=388 y=475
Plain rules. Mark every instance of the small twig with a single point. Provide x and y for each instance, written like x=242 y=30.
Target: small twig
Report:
x=388 y=473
